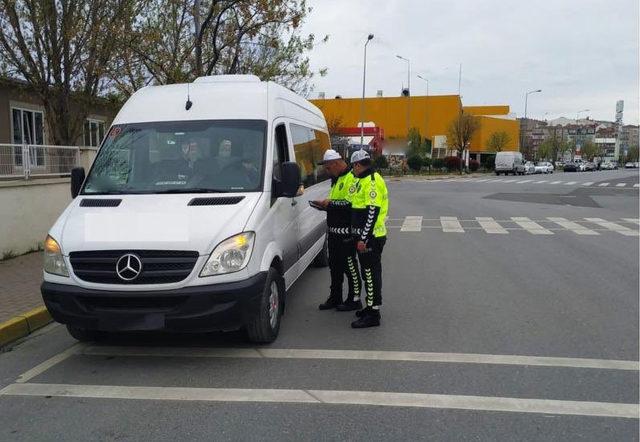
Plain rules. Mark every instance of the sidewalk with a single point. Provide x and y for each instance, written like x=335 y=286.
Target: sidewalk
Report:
x=20 y=280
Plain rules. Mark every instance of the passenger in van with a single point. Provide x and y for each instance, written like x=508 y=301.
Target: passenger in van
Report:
x=342 y=250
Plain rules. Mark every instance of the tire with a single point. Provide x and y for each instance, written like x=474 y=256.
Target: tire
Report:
x=266 y=325
x=85 y=335
x=497 y=173
x=322 y=258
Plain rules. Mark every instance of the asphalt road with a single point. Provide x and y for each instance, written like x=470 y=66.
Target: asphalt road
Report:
x=510 y=313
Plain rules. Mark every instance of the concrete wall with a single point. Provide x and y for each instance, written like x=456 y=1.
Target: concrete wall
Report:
x=28 y=209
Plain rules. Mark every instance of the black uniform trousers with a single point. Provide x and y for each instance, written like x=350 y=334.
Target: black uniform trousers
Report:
x=343 y=261
x=371 y=267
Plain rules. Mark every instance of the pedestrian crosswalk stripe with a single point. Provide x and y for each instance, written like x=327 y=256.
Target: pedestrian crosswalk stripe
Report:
x=603 y=185
x=481 y=181
x=490 y=225
x=556 y=182
x=450 y=224
x=411 y=224
x=570 y=183
x=587 y=184
x=531 y=226
x=621 y=184
x=636 y=185
x=510 y=181
x=524 y=181
x=632 y=220
x=613 y=226
x=574 y=227
x=540 y=182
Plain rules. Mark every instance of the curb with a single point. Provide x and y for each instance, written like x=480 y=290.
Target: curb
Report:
x=23 y=325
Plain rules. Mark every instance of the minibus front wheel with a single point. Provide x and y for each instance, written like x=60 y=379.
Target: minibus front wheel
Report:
x=264 y=328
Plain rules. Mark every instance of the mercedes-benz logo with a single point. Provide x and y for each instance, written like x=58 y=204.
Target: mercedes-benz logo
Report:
x=128 y=267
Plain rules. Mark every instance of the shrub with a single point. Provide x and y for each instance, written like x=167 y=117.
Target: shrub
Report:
x=381 y=162
x=474 y=165
x=488 y=162
x=415 y=163
x=437 y=163
x=452 y=163
x=427 y=162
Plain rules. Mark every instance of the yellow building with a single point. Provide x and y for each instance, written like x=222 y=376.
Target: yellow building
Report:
x=431 y=115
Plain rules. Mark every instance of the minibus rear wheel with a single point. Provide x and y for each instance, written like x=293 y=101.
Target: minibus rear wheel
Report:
x=265 y=326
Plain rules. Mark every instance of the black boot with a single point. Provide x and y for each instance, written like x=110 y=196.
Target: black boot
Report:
x=364 y=311
x=349 y=305
x=330 y=303
x=369 y=319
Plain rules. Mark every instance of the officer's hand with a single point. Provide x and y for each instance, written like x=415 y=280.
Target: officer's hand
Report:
x=323 y=203
x=361 y=246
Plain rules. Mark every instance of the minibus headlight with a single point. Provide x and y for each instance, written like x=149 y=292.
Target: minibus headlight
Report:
x=53 y=260
x=231 y=255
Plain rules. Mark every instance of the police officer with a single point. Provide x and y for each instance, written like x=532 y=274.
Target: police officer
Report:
x=342 y=250
x=369 y=207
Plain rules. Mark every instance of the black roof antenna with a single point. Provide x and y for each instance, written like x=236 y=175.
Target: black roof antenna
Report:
x=188 y=104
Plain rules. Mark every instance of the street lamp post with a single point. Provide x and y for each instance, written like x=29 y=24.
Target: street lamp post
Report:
x=426 y=112
x=526 y=99
x=364 y=78
x=408 y=91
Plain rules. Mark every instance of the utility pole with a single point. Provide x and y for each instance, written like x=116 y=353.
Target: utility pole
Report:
x=408 y=91
x=364 y=77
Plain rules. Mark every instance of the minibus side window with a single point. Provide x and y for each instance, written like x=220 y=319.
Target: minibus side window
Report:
x=309 y=146
x=280 y=151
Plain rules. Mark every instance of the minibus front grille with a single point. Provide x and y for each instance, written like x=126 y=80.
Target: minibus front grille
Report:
x=158 y=266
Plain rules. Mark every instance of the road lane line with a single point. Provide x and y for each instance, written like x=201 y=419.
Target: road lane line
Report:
x=450 y=224
x=530 y=226
x=587 y=183
x=332 y=397
x=46 y=365
x=362 y=355
x=572 y=226
x=621 y=184
x=490 y=225
x=556 y=182
x=411 y=224
x=570 y=183
x=613 y=227
x=603 y=185
x=632 y=220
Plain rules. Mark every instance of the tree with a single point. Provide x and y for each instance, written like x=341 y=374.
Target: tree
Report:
x=62 y=49
x=632 y=154
x=498 y=141
x=416 y=145
x=460 y=132
x=179 y=40
x=545 y=149
x=589 y=150
x=414 y=162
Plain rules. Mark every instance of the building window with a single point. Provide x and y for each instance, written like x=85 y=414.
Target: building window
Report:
x=93 y=132
x=309 y=146
x=27 y=127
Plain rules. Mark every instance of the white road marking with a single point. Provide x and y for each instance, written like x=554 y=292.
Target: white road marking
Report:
x=632 y=220
x=540 y=182
x=603 y=185
x=556 y=182
x=490 y=225
x=621 y=184
x=450 y=224
x=570 y=183
x=574 y=227
x=411 y=224
x=46 y=365
x=510 y=181
x=636 y=185
x=362 y=355
x=419 y=400
x=524 y=181
x=587 y=183
x=613 y=226
x=531 y=226
x=481 y=181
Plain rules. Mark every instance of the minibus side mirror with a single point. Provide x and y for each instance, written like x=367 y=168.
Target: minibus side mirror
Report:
x=290 y=179
x=77 y=178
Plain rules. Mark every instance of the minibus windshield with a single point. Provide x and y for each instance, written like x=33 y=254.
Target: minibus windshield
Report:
x=180 y=157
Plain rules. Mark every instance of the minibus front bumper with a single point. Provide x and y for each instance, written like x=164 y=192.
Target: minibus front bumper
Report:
x=215 y=307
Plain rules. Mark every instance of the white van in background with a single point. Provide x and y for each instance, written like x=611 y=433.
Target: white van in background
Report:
x=509 y=162
x=194 y=215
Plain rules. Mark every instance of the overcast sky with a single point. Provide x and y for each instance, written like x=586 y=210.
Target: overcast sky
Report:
x=582 y=54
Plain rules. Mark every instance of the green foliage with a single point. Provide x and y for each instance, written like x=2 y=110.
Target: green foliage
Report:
x=589 y=150
x=415 y=163
x=498 y=141
x=488 y=162
x=632 y=154
x=437 y=163
x=8 y=255
x=474 y=165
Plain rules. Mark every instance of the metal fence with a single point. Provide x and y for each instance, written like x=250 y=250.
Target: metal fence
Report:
x=29 y=160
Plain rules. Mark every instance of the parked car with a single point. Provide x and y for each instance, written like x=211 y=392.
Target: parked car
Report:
x=529 y=168
x=571 y=166
x=544 y=167
x=608 y=165
x=629 y=165
x=509 y=163
x=589 y=166
x=186 y=238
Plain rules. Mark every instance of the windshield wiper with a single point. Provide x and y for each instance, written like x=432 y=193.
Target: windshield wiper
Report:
x=193 y=190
